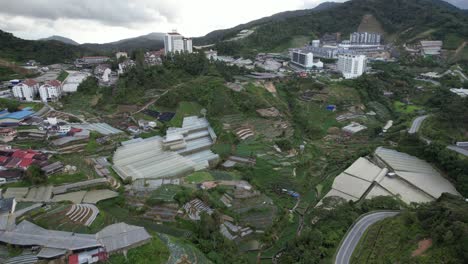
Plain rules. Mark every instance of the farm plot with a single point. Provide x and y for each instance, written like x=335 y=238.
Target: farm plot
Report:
x=65 y=217
x=181 y=252
x=258 y=212
x=162 y=213
x=165 y=193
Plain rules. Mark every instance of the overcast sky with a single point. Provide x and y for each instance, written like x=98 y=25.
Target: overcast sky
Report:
x=100 y=21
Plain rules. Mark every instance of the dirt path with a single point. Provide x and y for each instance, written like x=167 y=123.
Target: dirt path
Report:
x=423 y=245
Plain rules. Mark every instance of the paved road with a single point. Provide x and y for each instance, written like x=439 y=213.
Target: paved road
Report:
x=354 y=235
x=462 y=151
x=417 y=124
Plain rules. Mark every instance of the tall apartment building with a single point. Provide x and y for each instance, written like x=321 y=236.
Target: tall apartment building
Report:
x=175 y=42
x=365 y=38
x=352 y=66
x=50 y=91
x=305 y=59
x=26 y=91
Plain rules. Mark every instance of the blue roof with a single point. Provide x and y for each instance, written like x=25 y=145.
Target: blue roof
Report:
x=19 y=115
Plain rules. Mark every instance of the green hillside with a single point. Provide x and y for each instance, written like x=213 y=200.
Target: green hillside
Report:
x=46 y=52
x=433 y=233
x=403 y=19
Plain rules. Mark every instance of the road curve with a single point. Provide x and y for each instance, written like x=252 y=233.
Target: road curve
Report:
x=417 y=124
x=354 y=235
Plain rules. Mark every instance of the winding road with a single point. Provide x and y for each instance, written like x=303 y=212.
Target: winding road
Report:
x=352 y=238
x=417 y=124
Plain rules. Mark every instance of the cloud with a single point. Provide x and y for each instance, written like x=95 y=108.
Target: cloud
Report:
x=110 y=20
x=108 y=12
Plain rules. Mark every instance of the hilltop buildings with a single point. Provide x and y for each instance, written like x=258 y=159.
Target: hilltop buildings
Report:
x=352 y=66
x=26 y=91
x=50 y=91
x=365 y=38
x=175 y=42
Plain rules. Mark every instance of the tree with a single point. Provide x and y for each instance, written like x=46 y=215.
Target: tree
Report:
x=35 y=175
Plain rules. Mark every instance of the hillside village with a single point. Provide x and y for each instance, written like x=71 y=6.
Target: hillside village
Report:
x=210 y=151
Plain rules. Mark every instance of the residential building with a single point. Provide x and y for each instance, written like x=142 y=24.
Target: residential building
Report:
x=188 y=47
x=431 y=47
x=211 y=54
x=175 y=42
x=26 y=91
x=121 y=54
x=315 y=43
x=352 y=66
x=7 y=134
x=154 y=57
x=305 y=59
x=50 y=91
x=94 y=59
x=365 y=38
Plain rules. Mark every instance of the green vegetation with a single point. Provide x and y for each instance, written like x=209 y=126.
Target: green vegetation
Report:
x=198 y=177
x=404 y=108
x=10 y=105
x=62 y=76
x=155 y=252
x=35 y=175
x=395 y=239
x=183 y=110
x=58 y=179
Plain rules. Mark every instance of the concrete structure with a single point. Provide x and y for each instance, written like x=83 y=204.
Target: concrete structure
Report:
x=121 y=54
x=460 y=92
x=352 y=66
x=365 y=38
x=431 y=47
x=26 y=91
x=211 y=54
x=390 y=173
x=70 y=85
x=175 y=42
x=51 y=91
x=354 y=128
x=182 y=151
x=305 y=59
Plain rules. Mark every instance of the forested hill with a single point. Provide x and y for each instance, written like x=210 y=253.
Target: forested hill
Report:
x=46 y=52
x=401 y=19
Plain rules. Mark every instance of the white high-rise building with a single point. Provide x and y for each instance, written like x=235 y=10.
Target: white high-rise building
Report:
x=305 y=59
x=26 y=91
x=50 y=91
x=352 y=66
x=188 y=45
x=174 y=42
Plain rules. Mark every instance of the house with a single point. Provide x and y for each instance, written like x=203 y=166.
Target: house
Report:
x=53 y=168
x=51 y=91
x=13 y=119
x=7 y=134
x=26 y=91
x=154 y=57
x=7 y=176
